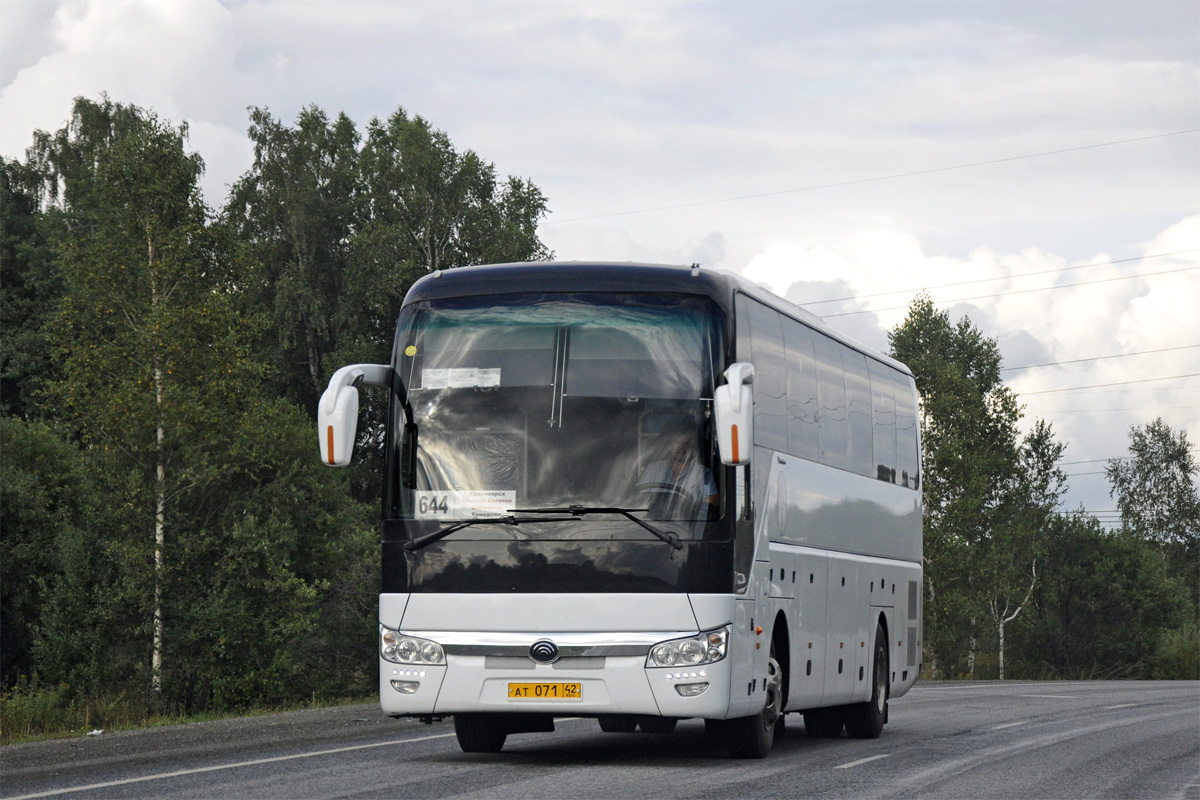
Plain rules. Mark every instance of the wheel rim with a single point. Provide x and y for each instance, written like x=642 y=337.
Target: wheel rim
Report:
x=880 y=681
x=771 y=709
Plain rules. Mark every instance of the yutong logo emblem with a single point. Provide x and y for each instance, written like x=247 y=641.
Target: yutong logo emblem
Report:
x=544 y=650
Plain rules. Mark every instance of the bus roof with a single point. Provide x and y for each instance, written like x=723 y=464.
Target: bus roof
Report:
x=527 y=277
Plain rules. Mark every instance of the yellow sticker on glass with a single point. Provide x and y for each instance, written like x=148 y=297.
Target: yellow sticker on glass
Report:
x=410 y=351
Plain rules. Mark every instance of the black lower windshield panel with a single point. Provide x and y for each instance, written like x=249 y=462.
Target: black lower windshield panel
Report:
x=497 y=566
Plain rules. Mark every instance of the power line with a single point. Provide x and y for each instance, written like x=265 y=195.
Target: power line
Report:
x=1017 y=291
x=1140 y=389
x=876 y=179
x=1001 y=278
x=1106 y=410
x=1118 y=383
x=1100 y=358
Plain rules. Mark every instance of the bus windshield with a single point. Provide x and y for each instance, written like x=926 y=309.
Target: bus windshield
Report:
x=536 y=402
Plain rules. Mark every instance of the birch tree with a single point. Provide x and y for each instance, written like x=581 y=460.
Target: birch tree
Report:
x=150 y=348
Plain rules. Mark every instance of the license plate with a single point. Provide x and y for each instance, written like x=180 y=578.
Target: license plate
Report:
x=545 y=691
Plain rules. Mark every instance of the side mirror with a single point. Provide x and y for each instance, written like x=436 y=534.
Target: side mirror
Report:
x=733 y=408
x=337 y=410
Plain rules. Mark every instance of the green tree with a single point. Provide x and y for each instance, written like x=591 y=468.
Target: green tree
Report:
x=296 y=211
x=1010 y=560
x=147 y=334
x=49 y=499
x=1155 y=490
x=437 y=208
x=30 y=289
x=970 y=467
x=1102 y=607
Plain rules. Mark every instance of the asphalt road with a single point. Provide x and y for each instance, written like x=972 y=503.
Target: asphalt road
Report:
x=944 y=740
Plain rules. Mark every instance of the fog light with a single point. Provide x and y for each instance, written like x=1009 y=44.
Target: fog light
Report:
x=410 y=687
x=691 y=689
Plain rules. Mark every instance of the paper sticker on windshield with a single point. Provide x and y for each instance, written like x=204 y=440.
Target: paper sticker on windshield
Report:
x=435 y=378
x=459 y=378
x=475 y=504
x=410 y=351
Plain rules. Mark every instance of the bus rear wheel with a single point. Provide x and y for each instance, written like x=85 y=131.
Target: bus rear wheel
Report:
x=479 y=733
x=865 y=720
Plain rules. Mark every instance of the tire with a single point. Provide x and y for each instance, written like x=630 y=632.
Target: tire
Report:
x=865 y=720
x=824 y=723
x=657 y=724
x=479 y=733
x=618 y=723
x=753 y=737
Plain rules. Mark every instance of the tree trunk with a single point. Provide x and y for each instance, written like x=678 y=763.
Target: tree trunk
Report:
x=160 y=492
x=971 y=652
x=1002 y=620
x=928 y=653
x=160 y=505
x=1001 y=631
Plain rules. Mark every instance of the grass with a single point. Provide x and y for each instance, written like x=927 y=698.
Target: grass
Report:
x=33 y=711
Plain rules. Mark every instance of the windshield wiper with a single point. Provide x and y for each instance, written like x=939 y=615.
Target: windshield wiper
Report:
x=430 y=538
x=577 y=511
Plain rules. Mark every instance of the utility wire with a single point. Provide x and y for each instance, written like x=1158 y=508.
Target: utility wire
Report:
x=876 y=179
x=1017 y=291
x=1001 y=278
x=1114 y=458
x=1107 y=410
x=1119 y=383
x=1100 y=358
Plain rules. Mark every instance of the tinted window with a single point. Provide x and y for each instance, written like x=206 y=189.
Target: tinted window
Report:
x=907 y=465
x=858 y=412
x=770 y=386
x=801 y=390
x=883 y=416
x=832 y=431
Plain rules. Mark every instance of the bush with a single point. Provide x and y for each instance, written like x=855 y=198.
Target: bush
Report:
x=1178 y=655
x=32 y=709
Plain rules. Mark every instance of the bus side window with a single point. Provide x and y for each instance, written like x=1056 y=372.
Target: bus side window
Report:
x=832 y=429
x=883 y=415
x=907 y=463
x=770 y=387
x=858 y=412
x=801 y=390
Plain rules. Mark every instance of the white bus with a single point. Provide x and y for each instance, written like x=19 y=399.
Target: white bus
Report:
x=642 y=494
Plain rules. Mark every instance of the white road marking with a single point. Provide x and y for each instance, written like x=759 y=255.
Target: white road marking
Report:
x=1052 y=696
x=218 y=767
x=861 y=761
x=1122 y=705
x=1009 y=725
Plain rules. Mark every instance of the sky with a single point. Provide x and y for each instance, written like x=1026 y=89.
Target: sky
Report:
x=1034 y=165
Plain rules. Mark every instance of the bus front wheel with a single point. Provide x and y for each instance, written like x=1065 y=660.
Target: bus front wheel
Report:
x=479 y=733
x=753 y=737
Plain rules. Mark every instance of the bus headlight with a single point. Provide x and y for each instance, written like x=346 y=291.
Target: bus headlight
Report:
x=704 y=648
x=394 y=646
